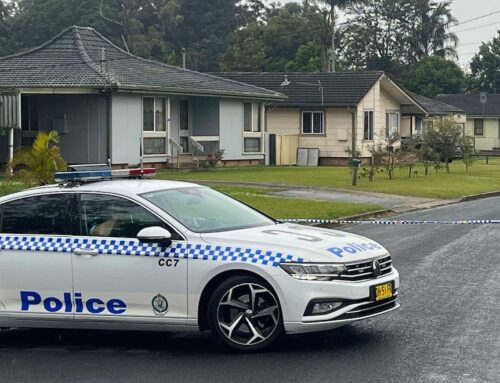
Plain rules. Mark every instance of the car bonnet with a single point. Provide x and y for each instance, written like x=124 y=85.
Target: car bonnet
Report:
x=309 y=243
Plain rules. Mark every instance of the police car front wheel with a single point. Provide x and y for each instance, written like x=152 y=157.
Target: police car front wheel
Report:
x=244 y=313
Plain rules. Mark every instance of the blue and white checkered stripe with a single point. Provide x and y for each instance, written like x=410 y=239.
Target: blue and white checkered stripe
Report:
x=126 y=247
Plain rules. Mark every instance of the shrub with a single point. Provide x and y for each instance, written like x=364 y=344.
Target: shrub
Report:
x=37 y=165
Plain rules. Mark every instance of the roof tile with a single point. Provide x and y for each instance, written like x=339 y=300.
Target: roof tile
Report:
x=73 y=59
x=304 y=89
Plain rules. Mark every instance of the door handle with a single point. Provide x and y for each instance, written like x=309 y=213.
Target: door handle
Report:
x=83 y=251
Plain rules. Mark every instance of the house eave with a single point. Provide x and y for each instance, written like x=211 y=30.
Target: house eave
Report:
x=57 y=90
x=199 y=92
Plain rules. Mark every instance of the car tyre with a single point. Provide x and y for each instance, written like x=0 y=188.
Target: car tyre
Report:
x=244 y=313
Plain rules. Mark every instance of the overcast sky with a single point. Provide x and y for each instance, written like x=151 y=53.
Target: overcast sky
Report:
x=471 y=34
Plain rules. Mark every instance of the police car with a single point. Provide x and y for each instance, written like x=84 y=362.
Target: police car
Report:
x=140 y=254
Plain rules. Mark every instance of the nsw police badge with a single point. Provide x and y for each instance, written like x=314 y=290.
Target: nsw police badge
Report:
x=160 y=305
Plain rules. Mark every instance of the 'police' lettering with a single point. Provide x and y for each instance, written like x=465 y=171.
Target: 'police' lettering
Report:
x=353 y=248
x=31 y=299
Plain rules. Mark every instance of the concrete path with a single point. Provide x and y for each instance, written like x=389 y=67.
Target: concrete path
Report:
x=394 y=202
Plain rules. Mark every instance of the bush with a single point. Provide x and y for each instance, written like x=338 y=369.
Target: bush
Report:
x=37 y=165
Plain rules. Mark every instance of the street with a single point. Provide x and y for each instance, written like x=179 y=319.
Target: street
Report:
x=447 y=329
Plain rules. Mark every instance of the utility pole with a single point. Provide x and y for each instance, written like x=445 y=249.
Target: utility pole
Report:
x=333 y=69
x=184 y=50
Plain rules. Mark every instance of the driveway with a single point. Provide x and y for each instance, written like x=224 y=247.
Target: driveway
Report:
x=394 y=202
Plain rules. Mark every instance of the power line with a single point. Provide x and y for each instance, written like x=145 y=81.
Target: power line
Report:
x=475 y=28
x=477 y=18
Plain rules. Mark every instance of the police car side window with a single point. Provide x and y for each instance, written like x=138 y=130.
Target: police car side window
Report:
x=110 y=216
x=44 y=214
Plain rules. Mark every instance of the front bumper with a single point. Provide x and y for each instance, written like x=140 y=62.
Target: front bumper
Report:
x=357 y=302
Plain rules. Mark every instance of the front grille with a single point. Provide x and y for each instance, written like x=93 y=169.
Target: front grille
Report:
x=369 y=309
x=364 y=270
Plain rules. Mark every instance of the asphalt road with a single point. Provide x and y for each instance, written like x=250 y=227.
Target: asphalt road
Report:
x=447 y=330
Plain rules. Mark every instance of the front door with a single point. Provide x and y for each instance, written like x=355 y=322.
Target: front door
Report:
x=35 y=258
x=117 y=276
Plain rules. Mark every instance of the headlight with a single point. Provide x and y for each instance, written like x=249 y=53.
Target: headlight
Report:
x=313 y=272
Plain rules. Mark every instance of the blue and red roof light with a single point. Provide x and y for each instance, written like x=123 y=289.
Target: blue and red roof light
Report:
x=91 y=175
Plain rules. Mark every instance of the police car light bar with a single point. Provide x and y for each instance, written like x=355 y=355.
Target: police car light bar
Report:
x=91 y=175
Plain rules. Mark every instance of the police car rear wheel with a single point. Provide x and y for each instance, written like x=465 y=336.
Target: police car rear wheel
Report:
x=244 y=313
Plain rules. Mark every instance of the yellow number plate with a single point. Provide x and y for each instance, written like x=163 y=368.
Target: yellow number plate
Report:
x=383 y=291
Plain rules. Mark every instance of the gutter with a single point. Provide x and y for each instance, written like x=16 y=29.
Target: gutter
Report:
x=198 y=92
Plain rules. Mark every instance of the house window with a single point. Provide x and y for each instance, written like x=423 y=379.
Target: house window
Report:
x=392 y=124
x=478 y=127
x=154 y=145
x=252 y=144
x=368 y=131
x=184 y=115
x=154 y=119
x=252 y=128
x=247 y=117
x=312 y=122
x=419 y=124
x=154 y=125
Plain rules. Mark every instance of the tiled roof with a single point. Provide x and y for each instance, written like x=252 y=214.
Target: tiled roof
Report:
x=304 y=89
x=471 y=103
x=72 y=59
x=434 y=107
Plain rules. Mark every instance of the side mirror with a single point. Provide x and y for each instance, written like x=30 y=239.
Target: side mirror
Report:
x=155 y=234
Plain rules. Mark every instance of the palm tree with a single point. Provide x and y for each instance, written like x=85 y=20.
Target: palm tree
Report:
x=431 y=31
x=38 y=164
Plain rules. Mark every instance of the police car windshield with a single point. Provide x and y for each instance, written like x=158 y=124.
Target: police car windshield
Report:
x=203 y=210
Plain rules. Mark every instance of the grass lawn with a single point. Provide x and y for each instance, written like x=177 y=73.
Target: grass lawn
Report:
x=273 y=206
x=481 y=178
x=10 y=187
x=279 y=207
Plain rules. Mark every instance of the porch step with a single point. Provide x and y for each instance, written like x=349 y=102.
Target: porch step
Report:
x=184 y=161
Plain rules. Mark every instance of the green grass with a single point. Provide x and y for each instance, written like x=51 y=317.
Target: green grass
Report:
x=273 y=206
x=279 y=207
x=481 y=178
x=10 y=187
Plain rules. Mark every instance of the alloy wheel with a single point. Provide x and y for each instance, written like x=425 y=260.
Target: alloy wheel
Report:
x=248 y=314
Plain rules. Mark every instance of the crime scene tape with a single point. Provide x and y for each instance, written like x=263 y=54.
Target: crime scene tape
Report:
x=395 y=222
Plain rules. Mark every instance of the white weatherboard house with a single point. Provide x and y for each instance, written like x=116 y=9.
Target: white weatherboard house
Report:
x=336 y=112
x=110 y=105
x=483 y=117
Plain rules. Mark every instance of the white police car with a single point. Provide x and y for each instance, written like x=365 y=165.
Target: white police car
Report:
x=161 y=255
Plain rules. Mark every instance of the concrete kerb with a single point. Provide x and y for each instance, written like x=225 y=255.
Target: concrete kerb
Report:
x=475 y=197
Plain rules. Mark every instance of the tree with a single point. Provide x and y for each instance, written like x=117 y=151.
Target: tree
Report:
x=468 y=153
x=431 y=35
x=390 y=34
x=7 y=45
x=284 y=38
x=432 y=76
x=443 y=136
x=39 y=163
x=207 y=29
x=484 y=74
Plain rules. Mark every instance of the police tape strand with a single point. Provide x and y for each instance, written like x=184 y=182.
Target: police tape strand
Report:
x=398 y=222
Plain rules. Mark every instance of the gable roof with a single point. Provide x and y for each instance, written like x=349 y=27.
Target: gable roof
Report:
x=72 y=59
x=434 y=107
x=304 y=89
x=471 y=103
